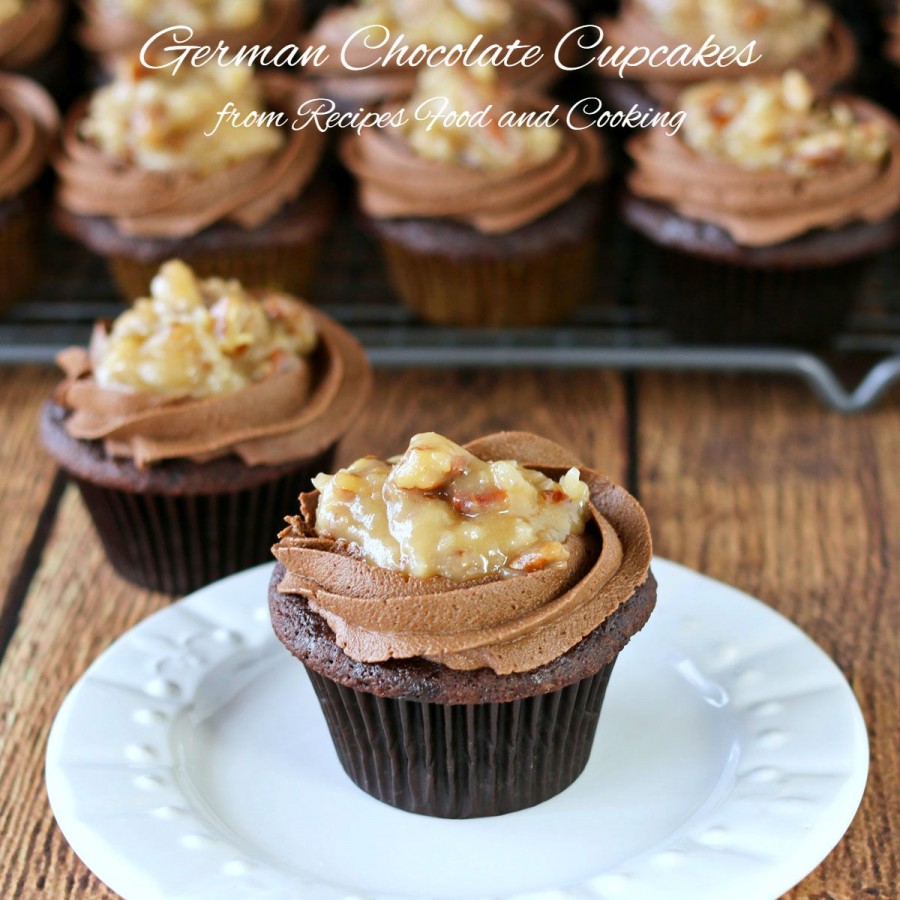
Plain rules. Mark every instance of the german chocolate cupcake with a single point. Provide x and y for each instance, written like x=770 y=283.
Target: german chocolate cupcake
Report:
x=482 y=225
x=359 y=76
x=111 y=29
x=150 y=169
x=196 y=418
x=29 y=126
x=802 y=35
x=30 y=40
x=765 y=209
x=459 y=611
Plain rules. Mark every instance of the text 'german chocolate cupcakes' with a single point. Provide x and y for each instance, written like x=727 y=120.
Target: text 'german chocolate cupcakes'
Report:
x=486 y=224
x=111 y=29
x=195 y=418
x=801 y=35
x=29 y=127
x=459 y=611
x=355 y=74
x=150 y=170
x=765 y=209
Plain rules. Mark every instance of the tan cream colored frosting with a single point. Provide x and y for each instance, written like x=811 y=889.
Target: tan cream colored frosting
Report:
x=108 y=34
x=769 y=206
x=26 y=37
x=29 y=127
x=826 y=65
x=508 y=624
x=179 y=204
x=296 y=412
x=395 y=182
x=538 y=22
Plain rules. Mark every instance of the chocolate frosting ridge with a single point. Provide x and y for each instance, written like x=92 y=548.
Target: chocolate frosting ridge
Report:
x=765 y=207
x=545 y=23
x=106 y=34
x=395 y=182
x=825 y=66
x=179 y=204
x=296 y=413
x=509 y=624
x=29 y=125
x=26 y=37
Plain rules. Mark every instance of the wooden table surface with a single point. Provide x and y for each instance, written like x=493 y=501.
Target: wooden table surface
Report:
x=748 y=480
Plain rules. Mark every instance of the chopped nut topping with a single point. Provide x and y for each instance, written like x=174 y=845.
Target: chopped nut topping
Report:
x=439 y=510
x=487 y=146
x=435 y=22
x=196 y=14
x=782 y=29
x=9 y=9
x=777 y=123
x=158 y=121
x=194 y=338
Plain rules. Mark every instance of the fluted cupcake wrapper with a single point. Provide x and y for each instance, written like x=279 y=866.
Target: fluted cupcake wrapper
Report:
x=467 y=760
x=705 y=301
x=285 y=267
x=19 y=232
x=522 y=291
x=177 y=543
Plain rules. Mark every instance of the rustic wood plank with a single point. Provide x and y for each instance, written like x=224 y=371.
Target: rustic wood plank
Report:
x=750 y=481
x=27 y=479
x=77 y=605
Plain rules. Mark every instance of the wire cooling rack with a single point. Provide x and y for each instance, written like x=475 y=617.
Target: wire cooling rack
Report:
x=612 y=332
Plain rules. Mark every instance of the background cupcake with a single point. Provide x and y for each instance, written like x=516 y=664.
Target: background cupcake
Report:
x=803 y=35
x=111 y=29
x=29 y=126
x=142 y=179
x=440 y=22
x=30 y=41
x=459 y=614
x=481 y=225
x=196 y=418
x=764 y=210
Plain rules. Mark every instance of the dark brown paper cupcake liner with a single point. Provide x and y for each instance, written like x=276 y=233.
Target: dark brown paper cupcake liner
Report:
x=465 y=760
x=536 y=290
x=707 y=301
x=19 y=233
x=178 y=542
x=287 y=268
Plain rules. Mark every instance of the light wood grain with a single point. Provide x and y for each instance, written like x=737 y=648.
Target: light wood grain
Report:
x=750 y=481
x=76 y=605
x=27 y=473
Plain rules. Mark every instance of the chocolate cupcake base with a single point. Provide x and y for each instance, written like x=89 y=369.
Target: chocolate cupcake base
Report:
x=716 y=291
x=19 y=236
x=281 y=254
x=459 y=744
x=179 y=525
x=460 y=762
x=451 y=274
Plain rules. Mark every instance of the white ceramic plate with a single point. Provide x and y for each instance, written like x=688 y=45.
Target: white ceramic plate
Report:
x=192 y=761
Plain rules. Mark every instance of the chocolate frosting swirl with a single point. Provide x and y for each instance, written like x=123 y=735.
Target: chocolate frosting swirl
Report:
x=179 y=204
x=542 y=23
x=892 y=28
x=26 y=37
x=765 y=207
x=296 y=413
x=395 y=182
x=29 y=126
x=825 y=66
x=509 y=624
x=109 y=35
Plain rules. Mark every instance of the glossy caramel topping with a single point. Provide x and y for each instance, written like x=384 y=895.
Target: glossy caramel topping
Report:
x=439 y=510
